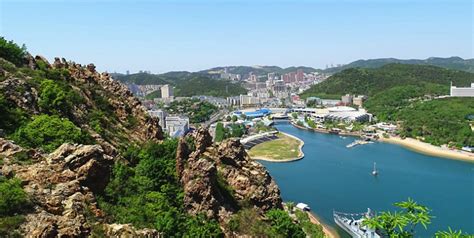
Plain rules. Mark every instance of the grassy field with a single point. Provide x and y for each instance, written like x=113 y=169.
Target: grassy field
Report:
x=283 y=148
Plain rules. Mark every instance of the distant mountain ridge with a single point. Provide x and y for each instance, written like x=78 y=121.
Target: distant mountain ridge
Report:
x=258 y=70
x=455 y=62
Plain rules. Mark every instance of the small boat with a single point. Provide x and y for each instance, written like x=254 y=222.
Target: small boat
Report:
x=354 y=143
x=358 y=142
x=375 y=172
x=353 y=224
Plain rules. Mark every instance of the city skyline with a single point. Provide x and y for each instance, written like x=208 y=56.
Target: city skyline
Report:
x=168 y=36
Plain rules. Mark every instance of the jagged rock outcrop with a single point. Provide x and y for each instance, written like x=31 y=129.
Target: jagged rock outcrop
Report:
x=62 y=186
x=130 y=117
x=219 y=180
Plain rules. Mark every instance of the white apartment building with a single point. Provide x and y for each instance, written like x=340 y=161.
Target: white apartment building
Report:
x=176 y=125
x=463 y=91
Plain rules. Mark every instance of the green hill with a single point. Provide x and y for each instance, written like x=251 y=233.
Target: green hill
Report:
x=187 y=84
x=404 y=94
x=450 y=63
x=371 y=81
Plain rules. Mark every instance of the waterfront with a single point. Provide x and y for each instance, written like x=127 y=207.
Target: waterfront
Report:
x=332 y=176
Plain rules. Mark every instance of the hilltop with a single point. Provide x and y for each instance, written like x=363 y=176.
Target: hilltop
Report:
x=449 y=63
x=371 y=81
x=258 y=70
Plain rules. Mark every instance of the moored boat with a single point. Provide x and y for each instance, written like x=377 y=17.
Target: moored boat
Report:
x=353 y=224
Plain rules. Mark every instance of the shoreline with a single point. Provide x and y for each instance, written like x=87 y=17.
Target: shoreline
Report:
x=429 y=149
x=300 y=153
x=414 y=145
x=328 y=230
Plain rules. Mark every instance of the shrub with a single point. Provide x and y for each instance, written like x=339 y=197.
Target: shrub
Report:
x=282 y=224
x=12 y=197
x=57 y=98
x=49 y=132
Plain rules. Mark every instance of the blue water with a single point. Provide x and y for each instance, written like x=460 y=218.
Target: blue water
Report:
x=332 y=176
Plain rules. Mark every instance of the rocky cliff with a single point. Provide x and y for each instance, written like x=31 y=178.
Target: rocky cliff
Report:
x=220 y=179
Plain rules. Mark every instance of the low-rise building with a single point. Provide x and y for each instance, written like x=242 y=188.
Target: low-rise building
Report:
x=462 y=91
x=359 y=100
x=176 y=125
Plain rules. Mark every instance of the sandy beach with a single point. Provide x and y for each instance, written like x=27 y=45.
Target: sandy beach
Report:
x=329 y=231
x=429 y=149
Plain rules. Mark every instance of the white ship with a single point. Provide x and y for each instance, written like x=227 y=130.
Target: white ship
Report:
x=352 y=224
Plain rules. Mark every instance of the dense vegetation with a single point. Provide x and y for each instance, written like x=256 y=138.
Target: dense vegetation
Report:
x=244 y=71
x=441 y=121
x=449 y=63
x=49 y=132
x=232 y=130
x=12 y=52
x=187 y=84
x=198 y=111
x=147 y=193
x=372 y=81
x=13 y=202
x=406 y=94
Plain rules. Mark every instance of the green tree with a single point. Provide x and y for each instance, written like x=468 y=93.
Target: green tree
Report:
x=234 y=118
x=401 y=223
x=49 y=132
x=10 y=51
x=220 y=132
x=282 y=224
x=294 y=115
x=11 y=117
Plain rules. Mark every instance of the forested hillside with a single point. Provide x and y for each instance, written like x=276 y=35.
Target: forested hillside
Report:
x=456 y=63
x=371 y=81
x=406 y=94
x=187 y=84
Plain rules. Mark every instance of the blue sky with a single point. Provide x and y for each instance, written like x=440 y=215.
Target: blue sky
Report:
x=189 y=35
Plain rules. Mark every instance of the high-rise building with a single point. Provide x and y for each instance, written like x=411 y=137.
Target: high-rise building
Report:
x=299 y=75
x=167 y=91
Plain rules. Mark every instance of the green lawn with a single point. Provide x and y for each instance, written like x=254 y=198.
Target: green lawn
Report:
x=283 y=148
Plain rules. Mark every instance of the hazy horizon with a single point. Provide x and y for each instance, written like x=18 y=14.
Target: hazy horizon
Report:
x=165 y=36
